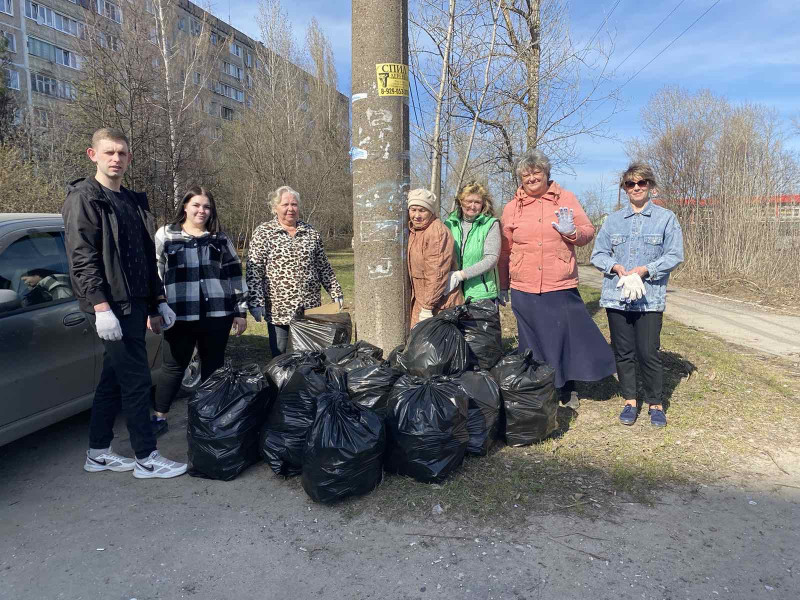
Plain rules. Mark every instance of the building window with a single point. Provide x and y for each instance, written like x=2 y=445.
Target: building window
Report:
x=11 y=40
x=12 y=79
x=148 y=6
x=236 y=49
x=227 y=113
x=53 y=87
x=197 y=78
x=47 y=16
x=248 y=60
x=214 y=38
x=182 y=23
x=109 y=10
x=197 y=27
x=232 y=70
x=249 y=81
x=106 y=40
x=213 y=109
x=53 y=53
x=42 y=117
x=7 y=6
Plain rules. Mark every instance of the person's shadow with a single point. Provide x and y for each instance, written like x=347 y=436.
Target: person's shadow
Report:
x=676 y=368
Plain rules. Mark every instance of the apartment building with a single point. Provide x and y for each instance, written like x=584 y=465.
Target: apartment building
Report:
x=45 y=38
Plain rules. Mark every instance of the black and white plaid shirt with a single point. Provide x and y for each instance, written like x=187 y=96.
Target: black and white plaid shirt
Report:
x=200 y=274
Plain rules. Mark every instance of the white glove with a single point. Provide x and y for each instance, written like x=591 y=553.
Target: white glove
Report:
x=339 y=301
x=636 y=286
x=624 y=293
x=456 y=277
x=632 y=287
x=425 y=314
x=107 y=325
x=503 y=297
x=257 y=312
x=167 y=315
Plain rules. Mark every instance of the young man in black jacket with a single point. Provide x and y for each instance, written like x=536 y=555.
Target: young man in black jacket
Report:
x=112 y=268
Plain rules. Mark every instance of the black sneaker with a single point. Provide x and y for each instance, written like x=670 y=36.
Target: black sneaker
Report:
x=160 y=426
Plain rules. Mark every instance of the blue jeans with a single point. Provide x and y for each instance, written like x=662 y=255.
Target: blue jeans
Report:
x=124 y=385
x=278 y=338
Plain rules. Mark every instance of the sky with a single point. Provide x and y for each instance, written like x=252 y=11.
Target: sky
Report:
x=745 y=51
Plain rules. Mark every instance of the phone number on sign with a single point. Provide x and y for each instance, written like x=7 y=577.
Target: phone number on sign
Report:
x=398 y=91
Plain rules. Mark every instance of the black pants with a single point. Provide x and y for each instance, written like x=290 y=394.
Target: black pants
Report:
x=210 y=335
x=124 y=385
x=635 y=339
x=278 y=338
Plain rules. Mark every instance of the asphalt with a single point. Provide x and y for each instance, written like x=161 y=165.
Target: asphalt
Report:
x=742 y=323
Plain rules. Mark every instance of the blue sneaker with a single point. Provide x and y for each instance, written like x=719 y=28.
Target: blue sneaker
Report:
x=628 y=415
x=657 y=417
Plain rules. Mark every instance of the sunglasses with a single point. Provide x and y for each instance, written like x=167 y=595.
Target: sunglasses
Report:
x=642 y=183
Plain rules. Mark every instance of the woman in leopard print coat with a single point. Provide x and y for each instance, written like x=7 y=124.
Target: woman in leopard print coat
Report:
x=286 y=264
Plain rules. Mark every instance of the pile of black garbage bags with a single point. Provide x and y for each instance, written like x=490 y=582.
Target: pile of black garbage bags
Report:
x=338 y=414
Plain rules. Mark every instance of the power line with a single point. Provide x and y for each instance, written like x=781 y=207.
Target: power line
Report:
x=664 y=49
x=608 y=16
x=677 y=6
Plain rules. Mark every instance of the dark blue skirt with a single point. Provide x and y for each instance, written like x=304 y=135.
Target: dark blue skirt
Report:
x=559 y=330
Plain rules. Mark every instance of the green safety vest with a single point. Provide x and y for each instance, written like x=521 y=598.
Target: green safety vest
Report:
x=482 y=286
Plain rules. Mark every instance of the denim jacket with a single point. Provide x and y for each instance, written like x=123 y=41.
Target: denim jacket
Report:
x=650 y=238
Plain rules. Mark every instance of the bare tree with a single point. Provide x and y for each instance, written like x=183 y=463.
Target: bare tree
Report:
x=540 y=88
x=187 y=62
x=722 y=168
x=297 y=130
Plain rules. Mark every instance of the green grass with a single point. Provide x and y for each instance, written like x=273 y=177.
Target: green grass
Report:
x=730 y=412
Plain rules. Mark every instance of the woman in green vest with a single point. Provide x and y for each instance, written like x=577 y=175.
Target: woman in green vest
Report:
x=476 y=232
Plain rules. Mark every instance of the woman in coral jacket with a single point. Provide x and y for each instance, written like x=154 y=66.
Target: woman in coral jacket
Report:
x=431 y=258
x=540 y=228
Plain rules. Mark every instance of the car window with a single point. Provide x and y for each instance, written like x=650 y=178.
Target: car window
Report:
x=33 y=272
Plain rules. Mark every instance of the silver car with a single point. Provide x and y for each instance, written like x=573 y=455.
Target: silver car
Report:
x=50 y=357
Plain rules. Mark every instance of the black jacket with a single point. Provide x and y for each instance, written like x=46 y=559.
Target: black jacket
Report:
x=92 y=241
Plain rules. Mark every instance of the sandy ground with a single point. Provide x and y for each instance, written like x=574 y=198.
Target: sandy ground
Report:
x=69 y=534
x=742 y=323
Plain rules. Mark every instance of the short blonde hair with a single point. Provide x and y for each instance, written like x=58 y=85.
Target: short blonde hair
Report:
x=473 y=187
x=109 y=133
x=275 y=197
x=638 y=170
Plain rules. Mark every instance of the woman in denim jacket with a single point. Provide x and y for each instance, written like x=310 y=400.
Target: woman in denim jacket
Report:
x=636 y=249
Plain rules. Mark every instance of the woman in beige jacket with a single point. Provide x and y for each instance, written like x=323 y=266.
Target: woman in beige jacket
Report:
x=431 y=257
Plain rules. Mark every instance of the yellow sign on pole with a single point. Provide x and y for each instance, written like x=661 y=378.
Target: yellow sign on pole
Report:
x=392 y=79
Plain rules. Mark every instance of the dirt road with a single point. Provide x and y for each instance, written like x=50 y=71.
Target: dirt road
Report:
x=69 y=534
x=741 y=323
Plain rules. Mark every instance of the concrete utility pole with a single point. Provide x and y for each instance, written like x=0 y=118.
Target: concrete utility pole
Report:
x=381 y=173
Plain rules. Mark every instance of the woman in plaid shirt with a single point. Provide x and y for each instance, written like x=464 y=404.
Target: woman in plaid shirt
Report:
x=202 y=277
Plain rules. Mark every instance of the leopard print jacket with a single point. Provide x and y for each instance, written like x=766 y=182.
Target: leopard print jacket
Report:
x=284 y=273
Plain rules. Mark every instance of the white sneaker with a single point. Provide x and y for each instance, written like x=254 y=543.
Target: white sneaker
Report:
x=157 y=466
x=108 y=461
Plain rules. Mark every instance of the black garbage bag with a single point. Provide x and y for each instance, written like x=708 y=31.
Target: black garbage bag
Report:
x=225 y=414
x=484 y=410
x=427 y=427
x=479 y=321
x=344 y=450
x=291 y=415
x=436 y=347
x=527 y=388
x=371 y=386
x=318 y=332
x=343 y=354
x=281 y=368
x=397 y=360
